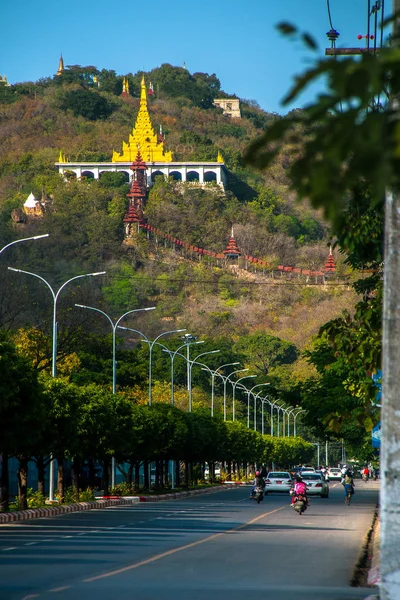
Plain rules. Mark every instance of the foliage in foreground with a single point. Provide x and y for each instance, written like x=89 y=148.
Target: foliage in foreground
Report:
x=346 y=157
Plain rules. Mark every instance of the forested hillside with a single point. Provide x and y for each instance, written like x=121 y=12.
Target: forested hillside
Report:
x=83 y=115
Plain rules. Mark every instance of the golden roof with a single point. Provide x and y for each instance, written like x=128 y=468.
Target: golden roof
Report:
x=143 y=137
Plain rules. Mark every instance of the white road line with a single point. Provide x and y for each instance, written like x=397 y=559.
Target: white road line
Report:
x=30 y=544
x=7 y=549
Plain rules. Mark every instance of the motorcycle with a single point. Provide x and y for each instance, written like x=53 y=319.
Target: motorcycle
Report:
x=258 y=495
x=300 y=503
x=365 y=477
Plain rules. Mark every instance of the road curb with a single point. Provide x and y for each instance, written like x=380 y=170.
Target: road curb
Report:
x=34 y=513
x=364 y=564
x=106 y=501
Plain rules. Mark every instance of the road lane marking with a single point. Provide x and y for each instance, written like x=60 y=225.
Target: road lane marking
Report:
x=181 y=548
x=60 y=589
x=31 y=543
x=30 y=596
x=6 y=549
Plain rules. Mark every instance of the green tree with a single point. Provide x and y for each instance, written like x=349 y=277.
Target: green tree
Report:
x=22 y=413
x=263 y=351
x=86 y=103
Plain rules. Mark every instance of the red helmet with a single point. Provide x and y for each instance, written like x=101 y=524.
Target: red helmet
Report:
x=257 y=473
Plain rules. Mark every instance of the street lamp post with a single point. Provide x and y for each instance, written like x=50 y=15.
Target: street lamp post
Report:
x=294 y=420
x=189 y=339
x=213 y=375
x=151 y=344
x=225 y=380
x=191 y=363
x=255 y=406
x=289 y=412
x=234 y=384
x=114 y=326
x=263 y=401
x=280 y=408
x=248 y=401
x=173 y=355
x=35 y=237
x=55 y=298
x=54 y=344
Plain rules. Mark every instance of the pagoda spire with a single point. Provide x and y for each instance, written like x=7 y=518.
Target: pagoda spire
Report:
x=125 y=87
x=60 y=66
x=232 y=249
x=330 y=266
x=143 y=136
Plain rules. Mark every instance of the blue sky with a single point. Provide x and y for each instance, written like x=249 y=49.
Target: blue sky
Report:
x=237 y=41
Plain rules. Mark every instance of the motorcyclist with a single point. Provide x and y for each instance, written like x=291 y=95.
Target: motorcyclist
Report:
x=259 y=481
x=299 y=487
x=365 y=474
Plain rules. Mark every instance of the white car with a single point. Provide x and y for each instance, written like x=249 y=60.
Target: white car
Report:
x=307 y=470
x=278 y=481
x=316 y=484
x=334 y=473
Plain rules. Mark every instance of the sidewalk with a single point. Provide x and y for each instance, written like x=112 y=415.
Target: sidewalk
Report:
x=35 y=513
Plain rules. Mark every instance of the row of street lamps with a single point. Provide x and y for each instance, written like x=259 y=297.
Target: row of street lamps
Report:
x=188 y=341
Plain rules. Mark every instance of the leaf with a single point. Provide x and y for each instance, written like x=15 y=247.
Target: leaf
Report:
x=309 y=41
x=286 y=28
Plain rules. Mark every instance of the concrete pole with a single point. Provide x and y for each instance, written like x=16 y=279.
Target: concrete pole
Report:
x=390 y=454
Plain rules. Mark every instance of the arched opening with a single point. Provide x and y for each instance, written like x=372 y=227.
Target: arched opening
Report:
x=210 y=176
x=87 y=175
x=175 y=175
x=192 y=176
x=113 y=179
x=126 y=175
x=156 y=174
x=70 y=175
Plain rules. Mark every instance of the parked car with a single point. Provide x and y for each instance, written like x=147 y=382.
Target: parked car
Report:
x=334 y=473
x=278 y=481
x=317 y=486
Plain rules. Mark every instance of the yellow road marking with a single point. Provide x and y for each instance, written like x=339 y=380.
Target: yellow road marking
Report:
x=180 y=548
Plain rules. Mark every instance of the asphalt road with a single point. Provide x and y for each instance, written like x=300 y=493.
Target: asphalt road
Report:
x=217 y=546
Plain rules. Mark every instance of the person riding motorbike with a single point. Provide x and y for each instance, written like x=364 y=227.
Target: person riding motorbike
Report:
x=365 y=474
x=259 y=481
x=299 y=488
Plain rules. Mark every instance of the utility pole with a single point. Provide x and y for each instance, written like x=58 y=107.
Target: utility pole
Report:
x=390 y=461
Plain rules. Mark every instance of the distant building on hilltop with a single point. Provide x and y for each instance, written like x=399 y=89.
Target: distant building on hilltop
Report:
x=230 y=106
x=3 y=81
x=151 y=148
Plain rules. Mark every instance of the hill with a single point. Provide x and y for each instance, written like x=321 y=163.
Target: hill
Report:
x=82 y=113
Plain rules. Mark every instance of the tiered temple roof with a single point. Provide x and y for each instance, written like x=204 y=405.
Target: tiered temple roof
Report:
x=330 y=266
x=143 y=137
x=232 y=249
x=132 y=216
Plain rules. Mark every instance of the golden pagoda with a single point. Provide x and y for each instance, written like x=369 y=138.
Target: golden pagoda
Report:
x=60 y=66
x=143 y=138
x=125 y=87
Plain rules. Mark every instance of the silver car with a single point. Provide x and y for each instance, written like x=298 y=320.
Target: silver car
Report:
x=316 y=484
x=278 y=481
